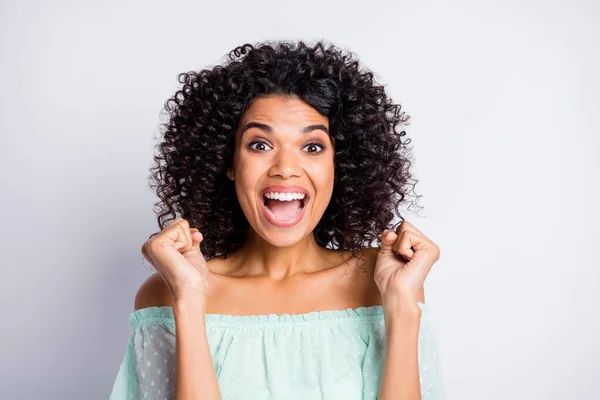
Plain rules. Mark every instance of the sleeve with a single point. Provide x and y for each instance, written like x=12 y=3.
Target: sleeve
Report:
x=430 y=374
x=147 y=371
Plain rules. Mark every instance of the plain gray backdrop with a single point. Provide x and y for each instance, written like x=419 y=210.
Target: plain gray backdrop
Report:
x=504 y=99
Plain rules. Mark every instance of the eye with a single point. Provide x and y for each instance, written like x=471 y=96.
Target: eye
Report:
x=313 y=144
x=257 y=142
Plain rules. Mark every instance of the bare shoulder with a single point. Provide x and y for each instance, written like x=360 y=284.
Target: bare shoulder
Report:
x=366 y=258
x=153 y=292
x=371 y=255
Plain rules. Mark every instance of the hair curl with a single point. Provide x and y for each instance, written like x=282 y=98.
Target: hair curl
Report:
x=372 y=161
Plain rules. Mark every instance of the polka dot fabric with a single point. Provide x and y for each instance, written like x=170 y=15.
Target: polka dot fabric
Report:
x=324 y=355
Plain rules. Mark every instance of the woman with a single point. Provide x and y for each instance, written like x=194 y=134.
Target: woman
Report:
x=284 y=166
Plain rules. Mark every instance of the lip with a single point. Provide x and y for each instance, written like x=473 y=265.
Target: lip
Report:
x=284 y=189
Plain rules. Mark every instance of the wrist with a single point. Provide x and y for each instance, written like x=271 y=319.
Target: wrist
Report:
x=188 y=294
x=189 y=304
x=401 y=307
x=402 y=320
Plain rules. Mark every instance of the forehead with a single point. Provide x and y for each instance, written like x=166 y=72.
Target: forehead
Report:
x=283 y=110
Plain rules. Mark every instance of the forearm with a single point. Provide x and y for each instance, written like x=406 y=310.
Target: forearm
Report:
x=400 y=376
x=195 y=374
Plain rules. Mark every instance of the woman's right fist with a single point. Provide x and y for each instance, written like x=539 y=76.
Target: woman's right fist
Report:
x=175 y=253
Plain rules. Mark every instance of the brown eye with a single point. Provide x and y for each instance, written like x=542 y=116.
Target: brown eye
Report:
x=260 y=143
x=312 y=145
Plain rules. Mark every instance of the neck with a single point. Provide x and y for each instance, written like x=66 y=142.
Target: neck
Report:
x=258 y=257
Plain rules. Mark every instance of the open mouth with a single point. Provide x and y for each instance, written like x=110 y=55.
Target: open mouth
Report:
x=286 y=208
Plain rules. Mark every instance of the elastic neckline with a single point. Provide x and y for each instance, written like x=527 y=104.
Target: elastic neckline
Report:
x=164 y=314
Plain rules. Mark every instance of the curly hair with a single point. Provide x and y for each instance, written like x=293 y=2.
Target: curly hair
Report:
x=372 y=161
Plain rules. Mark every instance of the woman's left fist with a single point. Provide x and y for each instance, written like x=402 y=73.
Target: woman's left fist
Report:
x=404 y=260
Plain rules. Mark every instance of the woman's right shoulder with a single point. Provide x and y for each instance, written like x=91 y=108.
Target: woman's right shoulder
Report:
x=153 y=292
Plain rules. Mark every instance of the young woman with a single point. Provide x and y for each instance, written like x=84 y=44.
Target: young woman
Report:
x=278 y=172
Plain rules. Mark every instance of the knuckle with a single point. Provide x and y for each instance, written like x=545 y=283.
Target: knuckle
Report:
x=436 y=251
x=152 y=245
x=146 y=252
x=174 y=222
x=163 y=244
x=184 y=230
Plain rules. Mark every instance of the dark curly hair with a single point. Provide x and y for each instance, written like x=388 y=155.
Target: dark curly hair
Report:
x=372 y=161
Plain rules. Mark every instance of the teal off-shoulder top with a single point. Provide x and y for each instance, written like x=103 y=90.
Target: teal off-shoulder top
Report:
x=329 y=355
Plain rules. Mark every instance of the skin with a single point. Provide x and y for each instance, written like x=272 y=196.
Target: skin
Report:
x=276 y=262
x=282 y=157
x=283 y=270
x=404 y=261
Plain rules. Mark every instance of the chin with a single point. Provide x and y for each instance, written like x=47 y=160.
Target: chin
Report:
x=284 y=239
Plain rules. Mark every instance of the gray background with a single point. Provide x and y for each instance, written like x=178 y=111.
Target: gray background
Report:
x=504 y=99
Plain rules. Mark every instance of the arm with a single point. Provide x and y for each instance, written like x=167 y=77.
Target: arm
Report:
x=198 y=380
x=400 y=376
x=195 y=376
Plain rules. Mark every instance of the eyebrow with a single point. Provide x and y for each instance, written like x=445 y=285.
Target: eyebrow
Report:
x=269 y=129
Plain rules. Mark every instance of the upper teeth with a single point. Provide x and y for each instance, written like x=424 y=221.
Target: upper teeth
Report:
x=284 y=196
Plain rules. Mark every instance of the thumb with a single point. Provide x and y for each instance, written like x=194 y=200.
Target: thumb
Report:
x=387 y=240
x=197 y=238
x=195 y=255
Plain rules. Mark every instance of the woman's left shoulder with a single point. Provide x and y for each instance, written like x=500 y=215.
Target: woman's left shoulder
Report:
x=362 y=275
x=366 y=258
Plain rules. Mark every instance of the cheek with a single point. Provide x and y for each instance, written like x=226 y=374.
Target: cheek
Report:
x=248 y=171
x=247 y=175
x=322 y=176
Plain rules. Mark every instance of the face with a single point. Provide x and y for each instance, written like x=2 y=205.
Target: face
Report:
x=283 y=168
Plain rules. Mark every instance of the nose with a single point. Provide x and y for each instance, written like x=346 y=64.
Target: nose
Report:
x=286 y=164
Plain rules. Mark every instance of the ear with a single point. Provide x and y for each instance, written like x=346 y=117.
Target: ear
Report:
x=230 y=174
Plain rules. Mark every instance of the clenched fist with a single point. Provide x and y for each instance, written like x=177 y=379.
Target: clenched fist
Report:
x=175 y=253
